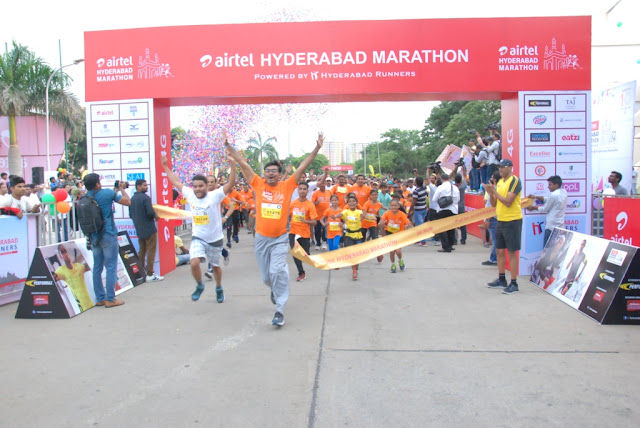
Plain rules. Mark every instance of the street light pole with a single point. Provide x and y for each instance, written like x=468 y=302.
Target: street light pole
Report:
x=78 y=61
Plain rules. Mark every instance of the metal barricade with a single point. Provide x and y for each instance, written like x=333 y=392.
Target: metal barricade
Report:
x=597 y=211
x=55 y=227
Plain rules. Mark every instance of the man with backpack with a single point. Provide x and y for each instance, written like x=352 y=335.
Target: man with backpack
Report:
x=95 y=216
x=495 y=152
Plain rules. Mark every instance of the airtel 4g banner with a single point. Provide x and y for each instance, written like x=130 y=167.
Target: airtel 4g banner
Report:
x=344 y=60
x=622 y=220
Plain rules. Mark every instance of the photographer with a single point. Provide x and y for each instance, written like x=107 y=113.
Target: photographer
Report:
x=105 y=243
x=494 y=151
x=482 y=159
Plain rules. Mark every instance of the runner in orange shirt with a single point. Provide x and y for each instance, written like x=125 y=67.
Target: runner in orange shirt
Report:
x=246 y=194
x=342 y=190
x=394 y=221
x=371 y=210
x=361 y=190
x=273 y=199
x=321 y=199
x=302 y=214
x=352 y=218
x=331 y=219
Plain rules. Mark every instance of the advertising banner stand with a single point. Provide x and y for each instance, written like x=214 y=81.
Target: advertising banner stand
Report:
x=597 y=277
x=130 y=259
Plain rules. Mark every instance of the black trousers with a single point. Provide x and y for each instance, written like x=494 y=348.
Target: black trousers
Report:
x=305 y=243
x=447 y=238
x=233 y=224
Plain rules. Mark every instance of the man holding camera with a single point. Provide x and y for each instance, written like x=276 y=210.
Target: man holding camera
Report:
x=447 y=197
x=104 y=244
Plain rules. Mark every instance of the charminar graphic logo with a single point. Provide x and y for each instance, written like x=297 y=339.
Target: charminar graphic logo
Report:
x=559 y=59
x=622 y=220
x=151 y=68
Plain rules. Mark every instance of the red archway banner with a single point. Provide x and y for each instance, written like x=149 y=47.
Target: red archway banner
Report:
x=340 y=61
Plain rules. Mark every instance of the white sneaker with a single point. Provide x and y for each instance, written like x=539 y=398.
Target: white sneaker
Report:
x=209 y=274
x=154 y=277
x=226 y=260
x=324 y=246
x=317 y=248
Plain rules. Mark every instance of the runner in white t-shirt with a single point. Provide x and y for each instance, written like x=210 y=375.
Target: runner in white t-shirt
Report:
x=207 y=239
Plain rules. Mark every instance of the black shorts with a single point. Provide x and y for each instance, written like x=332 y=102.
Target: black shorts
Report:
x=509 y=235
x=373 y=233
x=348 y=241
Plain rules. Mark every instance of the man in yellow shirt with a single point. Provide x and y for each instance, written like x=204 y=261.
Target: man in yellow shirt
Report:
x=505 y=196
x=73 y=274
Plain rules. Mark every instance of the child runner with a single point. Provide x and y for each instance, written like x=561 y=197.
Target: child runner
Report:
x=331 y=220
x=371 y=209
x=394 y=221
x=352 y=218
x=303 y=214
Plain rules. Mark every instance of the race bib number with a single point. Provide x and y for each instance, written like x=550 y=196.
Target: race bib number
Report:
x=341 y=190
x=298 y=217
x=273 y=211
x=393 y=227
x=335 y=226
x=370 y=217
x=201 y=220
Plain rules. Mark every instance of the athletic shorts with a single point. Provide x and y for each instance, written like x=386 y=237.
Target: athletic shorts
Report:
x=200 y=249
x=373 y=232
x=348 y=241
x=508 y=235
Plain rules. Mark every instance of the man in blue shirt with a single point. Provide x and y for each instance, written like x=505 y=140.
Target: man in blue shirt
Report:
x=104 y=244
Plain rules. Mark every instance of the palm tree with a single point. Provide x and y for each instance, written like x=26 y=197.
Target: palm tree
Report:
x=260 y=151
x=23 y=81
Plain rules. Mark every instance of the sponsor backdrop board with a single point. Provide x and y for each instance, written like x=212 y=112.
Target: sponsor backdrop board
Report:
x=622 y=220
x=16 y=252
x=593 y=275
x=612 y=135
x=60 y=282
x=554 y=142
x=340 y=60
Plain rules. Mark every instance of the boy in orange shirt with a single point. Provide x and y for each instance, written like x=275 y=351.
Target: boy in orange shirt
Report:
x=342 y=190
x=361 y=190
x=331 y=219
x=371 y=209
x=321 y=199
x=394 y=221
x=302 y=214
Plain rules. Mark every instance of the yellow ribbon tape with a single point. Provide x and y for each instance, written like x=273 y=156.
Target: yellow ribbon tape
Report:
x=169 y=213
x=360 y=253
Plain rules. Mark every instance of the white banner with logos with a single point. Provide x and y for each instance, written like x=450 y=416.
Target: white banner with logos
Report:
x=612 y=135
x=553 y=131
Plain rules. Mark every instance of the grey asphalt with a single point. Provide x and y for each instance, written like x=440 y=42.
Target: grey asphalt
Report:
x=430 y=346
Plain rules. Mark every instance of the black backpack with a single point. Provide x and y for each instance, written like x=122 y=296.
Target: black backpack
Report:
x=499 y=154
x=89 y=215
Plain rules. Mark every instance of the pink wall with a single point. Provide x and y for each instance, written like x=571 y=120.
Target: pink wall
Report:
x=32 y=140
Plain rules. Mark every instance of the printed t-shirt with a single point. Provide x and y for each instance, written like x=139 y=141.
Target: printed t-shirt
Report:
x=514 y=212
x=362 y=193
x=234 y=194
x=370 y=214
x=252 y=207
x=300 y=211
x=407 y=205
x=207 y=221
x=334 y=226
x=342 y=192
x=395 y=222
x=272 y=205
x=74 y=278
x=323 y=199
x=353 y=219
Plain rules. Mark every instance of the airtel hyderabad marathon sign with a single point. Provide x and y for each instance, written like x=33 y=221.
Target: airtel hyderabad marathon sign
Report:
x=359 y=60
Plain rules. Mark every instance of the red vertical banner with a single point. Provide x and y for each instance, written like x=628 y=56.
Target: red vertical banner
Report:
x=622 y=220
x=163 y=188
x=511 y=132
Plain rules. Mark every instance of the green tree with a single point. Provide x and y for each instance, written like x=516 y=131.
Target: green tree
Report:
x=76 y=148
x=397 y=153
x=23 y=81
x=179 y=138
x=317 y=164
x=260 y=152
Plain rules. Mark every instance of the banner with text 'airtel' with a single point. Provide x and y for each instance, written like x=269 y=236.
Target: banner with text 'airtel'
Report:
x=342 y=60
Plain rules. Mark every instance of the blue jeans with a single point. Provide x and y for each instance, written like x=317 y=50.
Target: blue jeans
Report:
x=492 y=233
x=484 y=174
x=105 y=254
x=183 y=259
x=419 y=216
x=474 y=179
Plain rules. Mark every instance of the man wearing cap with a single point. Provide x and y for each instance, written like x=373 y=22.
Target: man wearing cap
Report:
x=505 y=196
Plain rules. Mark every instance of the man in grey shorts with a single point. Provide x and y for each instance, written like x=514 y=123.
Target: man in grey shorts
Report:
x=207 y=239
x=273 y=198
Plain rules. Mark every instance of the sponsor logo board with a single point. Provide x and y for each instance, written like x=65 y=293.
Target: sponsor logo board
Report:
x=542 y=154
x=568 y=137
x=576 y=223
x=104 y=161
x=539 y=120
x=139 y=174
x=135 y=144
x=571 y=170
x=576 y=204
x=104 y=112
x=571 y=154
x=105 y=129
x=577 y=102
x=538 y=171
x=616 y=256
x=109 y=177
x=577 y=187
x=540 y=138
x=134 y=111
x=571 y=120
x=135 y=160
x=536 y=187
x=134 y=127
x=539 y=103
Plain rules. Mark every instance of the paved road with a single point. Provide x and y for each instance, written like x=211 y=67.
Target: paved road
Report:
x=431 y=346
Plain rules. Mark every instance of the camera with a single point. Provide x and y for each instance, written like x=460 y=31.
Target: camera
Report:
x=492 y=126
x=117 y=184
x=434 y=166
x=471 y=131
x=460 y=162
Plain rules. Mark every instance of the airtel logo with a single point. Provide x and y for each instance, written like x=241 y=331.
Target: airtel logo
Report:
x=503 y=50
x=622 y=220
x=571 y=137
x=100 y=62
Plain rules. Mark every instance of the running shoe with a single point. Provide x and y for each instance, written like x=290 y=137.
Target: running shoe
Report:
x=226 y=259
x=317 y=248
x=154 y=278
x=235 y=238
x=209 y=274
x=324 y=246
x=278 y=319
x=301 y=277
x=219 y=294
x=229 y=244
x=498 y=283
x=512 y=288
x=422 y=244
x=401 y=264
x=393 y=268
x=196 y=294
x=355 y=274
x=380 y=258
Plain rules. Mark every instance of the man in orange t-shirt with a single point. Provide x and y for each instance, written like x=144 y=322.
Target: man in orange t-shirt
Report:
x=233 y=221
x=342 y=190
x=303 y=214
x=321 y=198
x=361 y=190
x=273 y=198
x=246 y=194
